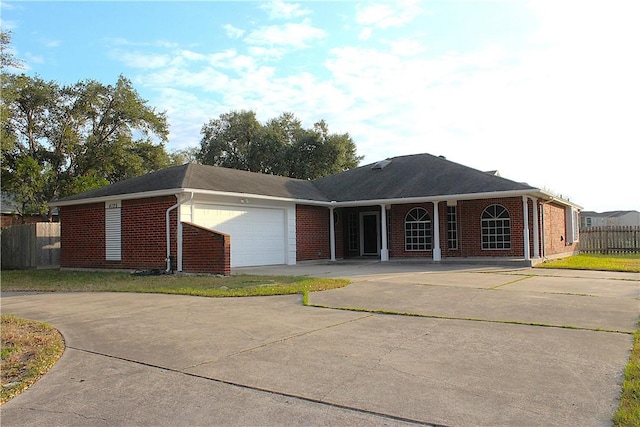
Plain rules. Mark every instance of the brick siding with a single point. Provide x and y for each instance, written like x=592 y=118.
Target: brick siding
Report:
x=82 y=236
x=312 y=233
x=556 y=232
x=469 y=227
x=143 y=234
x=205 y=251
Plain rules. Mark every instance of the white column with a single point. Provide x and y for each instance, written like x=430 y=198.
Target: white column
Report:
x=384 y=251
x=525 y=217
x=437 y=253
x=332 y=234
x=536 y=229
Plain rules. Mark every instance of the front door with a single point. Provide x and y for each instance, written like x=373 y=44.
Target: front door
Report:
x=369 y=236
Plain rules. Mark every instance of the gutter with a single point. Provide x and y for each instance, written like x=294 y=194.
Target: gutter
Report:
x=466 y=196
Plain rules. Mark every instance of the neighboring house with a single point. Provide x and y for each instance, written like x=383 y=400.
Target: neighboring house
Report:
x=197 y=218
x=611 y=218
x=9 y=213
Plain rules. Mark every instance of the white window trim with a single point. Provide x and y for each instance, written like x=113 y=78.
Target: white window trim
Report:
x=428 y=244
x=484 y=227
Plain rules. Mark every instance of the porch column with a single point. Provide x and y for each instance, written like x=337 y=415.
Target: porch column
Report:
x=536 y=229
x=525 y=217
x=384 y=251
x=437 y=253
x=332 y=234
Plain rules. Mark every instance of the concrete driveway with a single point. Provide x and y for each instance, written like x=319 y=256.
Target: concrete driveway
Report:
x=482 y=346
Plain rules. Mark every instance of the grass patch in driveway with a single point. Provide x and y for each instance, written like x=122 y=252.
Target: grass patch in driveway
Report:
x=628 y=413
x=625 y=263
x=207 y=286
x=29 y=350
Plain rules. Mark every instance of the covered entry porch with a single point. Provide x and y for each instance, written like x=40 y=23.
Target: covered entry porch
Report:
x=435 y=229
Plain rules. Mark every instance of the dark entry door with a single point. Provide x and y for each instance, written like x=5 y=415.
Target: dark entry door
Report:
x=369 y=230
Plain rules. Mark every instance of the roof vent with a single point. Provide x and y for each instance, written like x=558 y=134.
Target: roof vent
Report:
x=381 y=164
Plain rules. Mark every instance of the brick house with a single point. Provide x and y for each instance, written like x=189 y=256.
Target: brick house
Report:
x=197 y=218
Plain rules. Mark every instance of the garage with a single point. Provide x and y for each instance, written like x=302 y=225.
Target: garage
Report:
x=257 y=234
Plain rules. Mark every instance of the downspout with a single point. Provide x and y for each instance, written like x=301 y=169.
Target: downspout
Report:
x=179 y=236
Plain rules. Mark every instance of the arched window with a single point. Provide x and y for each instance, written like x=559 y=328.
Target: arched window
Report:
x=417 y=230
x=496 y=228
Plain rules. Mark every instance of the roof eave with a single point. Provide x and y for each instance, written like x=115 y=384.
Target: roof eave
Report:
x=259 y=196
x=127 y=196
x=178 y=191
x=532 y=192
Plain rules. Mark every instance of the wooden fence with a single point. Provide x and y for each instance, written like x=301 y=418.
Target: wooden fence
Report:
x=610 y=240
x=34 y=245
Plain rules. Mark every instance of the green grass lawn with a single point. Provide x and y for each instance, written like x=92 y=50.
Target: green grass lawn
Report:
x=627 y=263
x=207 y=286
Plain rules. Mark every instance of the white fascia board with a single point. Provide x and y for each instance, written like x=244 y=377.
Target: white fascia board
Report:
x=550 y=197
x=128 y=196
x=439 y=198
x=469 y=196
x=259 y=197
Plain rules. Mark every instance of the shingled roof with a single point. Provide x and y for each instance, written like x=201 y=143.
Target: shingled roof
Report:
x=209 y=178
x=414 y=176
x=418 y=175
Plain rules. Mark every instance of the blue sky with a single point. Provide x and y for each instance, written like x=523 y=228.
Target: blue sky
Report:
x=546 y=92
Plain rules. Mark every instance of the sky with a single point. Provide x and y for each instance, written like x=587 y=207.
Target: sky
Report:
x=545 y=92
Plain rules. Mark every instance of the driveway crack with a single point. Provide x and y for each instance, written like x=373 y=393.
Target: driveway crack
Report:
x=278 y=341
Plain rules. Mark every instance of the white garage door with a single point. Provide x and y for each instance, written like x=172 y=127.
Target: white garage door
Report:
x=257 y=234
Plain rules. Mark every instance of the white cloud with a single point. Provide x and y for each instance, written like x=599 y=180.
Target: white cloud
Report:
x=121 y=41
x=33 y=59
x=293 y=35
x=385 y=15
x=283 y=10
x=405 y=47
x=49 y=42
x=365 y=34
x=142 y=60
x=233 y=32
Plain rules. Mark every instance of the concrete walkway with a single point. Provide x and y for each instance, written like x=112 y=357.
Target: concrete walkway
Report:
x=475 y=358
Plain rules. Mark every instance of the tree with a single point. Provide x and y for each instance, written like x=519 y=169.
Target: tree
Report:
x=79 y=137
x=7 y=58
x=227 y=140
x=280 y=147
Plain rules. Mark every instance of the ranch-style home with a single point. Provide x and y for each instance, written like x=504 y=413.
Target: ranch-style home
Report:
x=207 y=219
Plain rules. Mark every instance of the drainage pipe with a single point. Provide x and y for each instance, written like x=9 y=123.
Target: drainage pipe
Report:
x=168 y=259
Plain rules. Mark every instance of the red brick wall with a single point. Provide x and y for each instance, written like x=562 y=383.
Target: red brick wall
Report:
x=556 y=232
x=82 y=236
x=469 y=228
x=397 y=245
x=143 y=234
x=469 y=213
x=205 y=251
x=312 y=233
